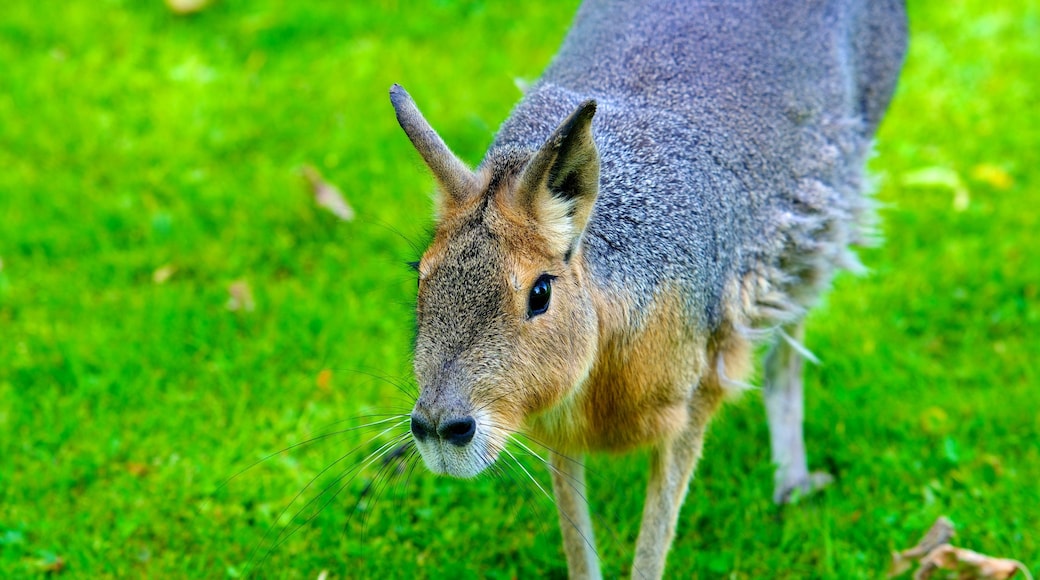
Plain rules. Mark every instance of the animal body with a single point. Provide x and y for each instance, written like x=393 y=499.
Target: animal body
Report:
x=683 y=181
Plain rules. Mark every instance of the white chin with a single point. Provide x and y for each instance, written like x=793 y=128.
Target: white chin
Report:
x=445 y=458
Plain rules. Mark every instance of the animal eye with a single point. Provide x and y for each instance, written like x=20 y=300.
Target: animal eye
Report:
x=538 y=301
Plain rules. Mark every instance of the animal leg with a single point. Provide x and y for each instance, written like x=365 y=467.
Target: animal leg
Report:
x=786 y=413
x=568 y=477
x=672 y=465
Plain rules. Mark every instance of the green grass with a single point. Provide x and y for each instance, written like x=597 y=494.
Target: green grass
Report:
x=131 y=139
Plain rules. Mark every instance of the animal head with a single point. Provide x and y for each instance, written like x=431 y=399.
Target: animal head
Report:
x=506 y=327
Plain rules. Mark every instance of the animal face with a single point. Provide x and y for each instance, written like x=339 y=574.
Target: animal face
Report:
x=505 y=330
x=506 y=327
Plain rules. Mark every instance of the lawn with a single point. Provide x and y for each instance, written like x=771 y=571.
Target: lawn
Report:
x=149 y=161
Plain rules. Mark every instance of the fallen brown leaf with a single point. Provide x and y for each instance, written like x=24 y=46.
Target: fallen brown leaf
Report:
x=324 y=380
x=327 y=195
x=940 y=533
x=137 y=469
x=163 y=273
x=240 y=297
x=183 y=7
x=935 y=555
x=968 y=565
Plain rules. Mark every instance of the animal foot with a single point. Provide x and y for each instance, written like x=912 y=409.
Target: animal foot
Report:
x=792 y=491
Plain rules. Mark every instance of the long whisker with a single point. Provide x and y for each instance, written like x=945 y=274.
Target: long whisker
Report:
x=389 y=416
x=577 y=486
x=407 y=388
x=411 y=460
x=388 y=473
x=569 y=479
x=309 y=441
x=279 y=540
x=552 y=450
x=505 y=472
x=283 y=537
x=552 y=467
x=553 y=501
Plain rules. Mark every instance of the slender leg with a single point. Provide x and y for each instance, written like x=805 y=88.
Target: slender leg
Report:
x=672 y=465
x=575 y=521
x=786 y=413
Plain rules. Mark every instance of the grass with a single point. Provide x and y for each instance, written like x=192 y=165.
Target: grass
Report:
x=132 y=140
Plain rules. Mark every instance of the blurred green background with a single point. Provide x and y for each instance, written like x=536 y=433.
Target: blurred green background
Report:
x=149 y=161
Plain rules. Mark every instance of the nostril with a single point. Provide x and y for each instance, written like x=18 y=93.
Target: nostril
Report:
x=458 y=431
x=420 y=428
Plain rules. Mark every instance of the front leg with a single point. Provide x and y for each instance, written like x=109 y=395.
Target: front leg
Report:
x=672 y=465
x=568 y=476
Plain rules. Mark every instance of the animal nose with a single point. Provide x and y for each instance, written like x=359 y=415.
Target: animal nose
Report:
x=458 y=431
x=455 y=431
x=421 y=428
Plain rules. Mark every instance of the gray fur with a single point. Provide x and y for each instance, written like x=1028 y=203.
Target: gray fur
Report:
x=731 y=141
x=732 y=137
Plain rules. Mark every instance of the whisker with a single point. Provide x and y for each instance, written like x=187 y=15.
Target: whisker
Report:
x=569 y=479
x=552 y=467
x=279 y=540
x=553 y=502
x=527 y=499
x=309 y=441
x=283 y=537
x=492 y=402
x=388 y=416
x=555 y=452
x=407 y=388
x=388 y=472
x=415 y=248
x=410 y=459
x=396 y=453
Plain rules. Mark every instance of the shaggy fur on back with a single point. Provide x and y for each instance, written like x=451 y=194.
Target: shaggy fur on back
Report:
x=732 y=140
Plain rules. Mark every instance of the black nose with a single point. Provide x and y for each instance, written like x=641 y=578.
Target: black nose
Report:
x=421 y=428
x=456 y=431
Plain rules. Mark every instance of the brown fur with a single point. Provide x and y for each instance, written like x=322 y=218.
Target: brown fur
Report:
x=589 y=373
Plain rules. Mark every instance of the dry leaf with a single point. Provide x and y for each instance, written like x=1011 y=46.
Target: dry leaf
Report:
x=240 y=297
x=324 y=380
x=940 y=533
x=940 y=177
x=183 y=7
x=326 y=195
x=934 y=554
x=968 y=565
x=992 y=175
x=137 y=469
x=163 y=273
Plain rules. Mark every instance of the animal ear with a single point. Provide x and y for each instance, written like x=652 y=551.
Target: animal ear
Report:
x=559 y=185
x=456 y=181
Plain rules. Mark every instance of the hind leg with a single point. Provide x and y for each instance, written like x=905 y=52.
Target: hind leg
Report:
x=786 y=412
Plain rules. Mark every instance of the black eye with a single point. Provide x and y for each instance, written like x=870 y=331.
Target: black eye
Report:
x=538 y=301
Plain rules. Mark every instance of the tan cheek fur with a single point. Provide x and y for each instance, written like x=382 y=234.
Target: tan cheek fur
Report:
x=554 y=351
x=636 y=394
